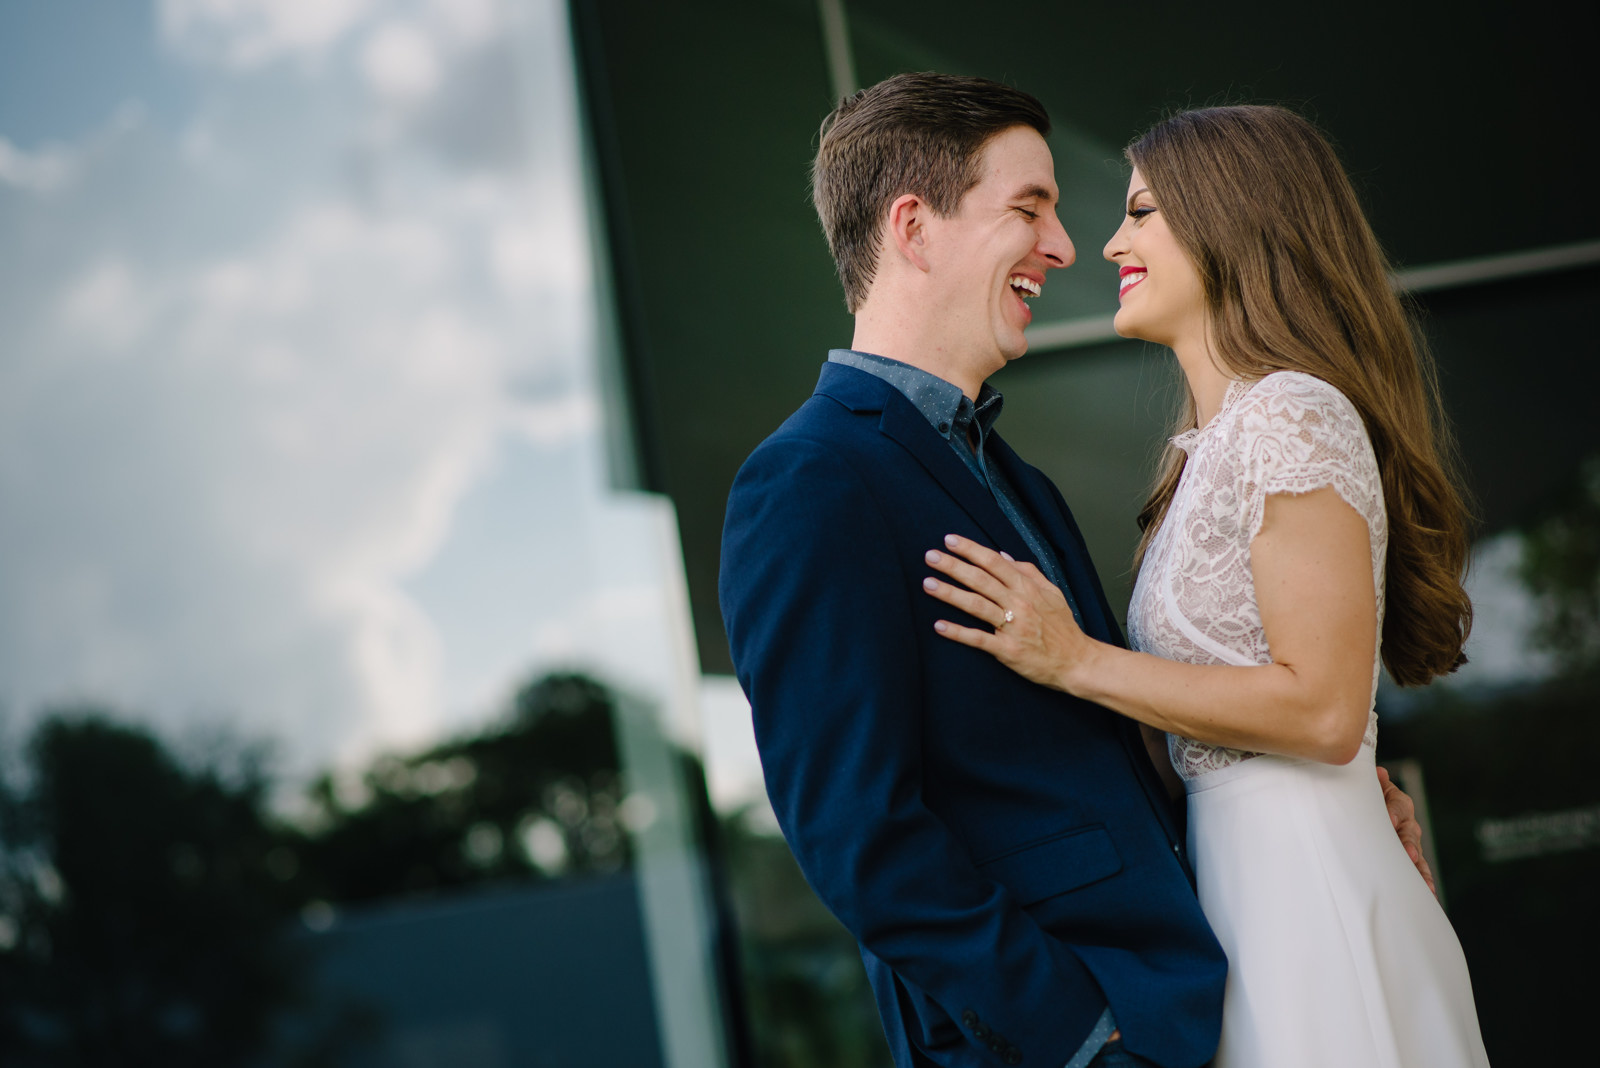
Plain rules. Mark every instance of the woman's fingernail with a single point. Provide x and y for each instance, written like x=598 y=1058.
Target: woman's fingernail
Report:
x=933 y=556
x=930 y=584
x=941 y=626
x=1008 y=556
x=951 y=540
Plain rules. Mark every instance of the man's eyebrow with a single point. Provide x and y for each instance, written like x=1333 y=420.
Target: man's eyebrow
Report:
x=1033 y=192
x=1135 y=193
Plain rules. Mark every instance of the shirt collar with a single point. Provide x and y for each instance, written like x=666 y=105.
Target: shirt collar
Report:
x=942 y=403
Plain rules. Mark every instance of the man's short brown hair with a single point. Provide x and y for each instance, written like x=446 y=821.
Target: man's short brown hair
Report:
x=914 y=133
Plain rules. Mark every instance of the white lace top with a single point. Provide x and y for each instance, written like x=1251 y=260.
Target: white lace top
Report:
x=1195 y=599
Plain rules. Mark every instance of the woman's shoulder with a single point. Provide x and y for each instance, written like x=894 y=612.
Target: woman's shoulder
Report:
x=1286 y=399
x=1299 y=385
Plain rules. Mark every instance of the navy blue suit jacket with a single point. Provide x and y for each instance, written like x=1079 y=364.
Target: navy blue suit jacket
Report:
x=1004 y=853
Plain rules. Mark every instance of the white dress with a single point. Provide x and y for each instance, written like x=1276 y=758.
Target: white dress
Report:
x=1338 y=956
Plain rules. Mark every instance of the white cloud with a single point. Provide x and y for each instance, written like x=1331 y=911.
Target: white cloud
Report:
x=561 y=420
x=249 y=35
x=246 y=34
x=106 y=308
x=53 y=167
x=41 y=171
x=1501 y=648
x=400 y=62
x=733 y=764
x=324 y=400
x=471 y=22
x=521 y=254
x=610 y=627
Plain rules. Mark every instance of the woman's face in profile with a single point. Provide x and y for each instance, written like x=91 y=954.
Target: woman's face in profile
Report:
x=1160 y=293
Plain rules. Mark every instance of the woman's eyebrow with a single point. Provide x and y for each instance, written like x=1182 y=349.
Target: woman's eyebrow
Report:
x=1135 y=193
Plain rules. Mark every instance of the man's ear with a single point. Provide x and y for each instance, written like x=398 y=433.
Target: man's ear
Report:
x=908 y=229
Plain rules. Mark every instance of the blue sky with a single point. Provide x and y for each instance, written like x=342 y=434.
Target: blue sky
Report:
x=65 y=65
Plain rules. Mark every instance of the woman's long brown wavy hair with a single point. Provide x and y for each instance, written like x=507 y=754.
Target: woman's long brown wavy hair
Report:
x=1294 y=280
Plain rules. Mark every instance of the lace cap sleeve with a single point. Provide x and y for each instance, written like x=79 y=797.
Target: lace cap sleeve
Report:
x=1299 y=434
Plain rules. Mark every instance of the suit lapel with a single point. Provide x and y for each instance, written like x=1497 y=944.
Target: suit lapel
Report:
x=904 y=424
x=1044 y=505
x=901 y=422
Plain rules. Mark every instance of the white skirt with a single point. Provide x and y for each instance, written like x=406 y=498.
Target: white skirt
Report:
x=1338 y=956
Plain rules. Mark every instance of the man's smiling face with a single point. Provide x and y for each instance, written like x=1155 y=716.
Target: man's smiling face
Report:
x=991 y=256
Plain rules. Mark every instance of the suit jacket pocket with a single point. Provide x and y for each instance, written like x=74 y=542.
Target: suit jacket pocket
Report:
x=1063 y=862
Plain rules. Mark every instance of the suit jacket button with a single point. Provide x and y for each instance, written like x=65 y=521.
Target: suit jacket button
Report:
x=981 y=1031
x=969 y=1018
x=1013 y=1056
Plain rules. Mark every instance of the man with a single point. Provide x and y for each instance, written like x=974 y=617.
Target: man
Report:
x=1006 y=855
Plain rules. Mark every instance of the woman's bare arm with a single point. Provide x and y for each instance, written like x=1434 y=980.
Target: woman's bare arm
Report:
x=1311 y=564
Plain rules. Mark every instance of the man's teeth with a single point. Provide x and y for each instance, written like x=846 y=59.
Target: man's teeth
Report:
x=1027 y=285
x=1129 y=280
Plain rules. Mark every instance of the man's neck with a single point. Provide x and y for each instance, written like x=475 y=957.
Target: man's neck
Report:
x=912 y=344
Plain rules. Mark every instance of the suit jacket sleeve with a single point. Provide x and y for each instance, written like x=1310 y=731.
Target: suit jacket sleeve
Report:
x=818 y=603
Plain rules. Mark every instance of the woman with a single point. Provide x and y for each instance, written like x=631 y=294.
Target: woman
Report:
x=1302 y=529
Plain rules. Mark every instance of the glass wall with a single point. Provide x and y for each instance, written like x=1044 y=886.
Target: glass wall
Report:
x=705 y=114
x=350 y=716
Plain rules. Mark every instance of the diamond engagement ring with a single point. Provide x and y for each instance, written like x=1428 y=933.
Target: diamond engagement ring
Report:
x=1009 y=617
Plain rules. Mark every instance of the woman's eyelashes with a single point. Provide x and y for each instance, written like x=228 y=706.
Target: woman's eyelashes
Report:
x=1140 y=212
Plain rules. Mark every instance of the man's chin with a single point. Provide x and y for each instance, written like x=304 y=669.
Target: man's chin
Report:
x=1014 y=349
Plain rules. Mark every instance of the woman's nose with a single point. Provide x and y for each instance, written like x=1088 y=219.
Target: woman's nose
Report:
x=1116 y=246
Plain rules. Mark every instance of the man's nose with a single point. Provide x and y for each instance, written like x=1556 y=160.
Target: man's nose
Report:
x=1056 y=246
